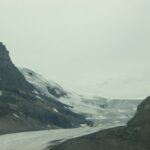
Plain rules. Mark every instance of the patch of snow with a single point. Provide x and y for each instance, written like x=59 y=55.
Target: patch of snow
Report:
x=123 y=117
x=55 y=110
x=57 y=91
x=83 y=125
x=35 y=92
x=76 y=102
x=121 y=110
x=1 y=93
x=15 y=115
x=39 y=97
x=48 y=125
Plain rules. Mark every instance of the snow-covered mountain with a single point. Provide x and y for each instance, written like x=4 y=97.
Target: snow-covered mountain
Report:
x=44 y=87
x=100 y=110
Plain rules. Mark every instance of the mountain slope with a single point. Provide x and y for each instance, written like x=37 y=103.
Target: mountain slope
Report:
x=10 y=77
x=101 y=111
x=44 y=87
x=134 y=136
x=23 y=107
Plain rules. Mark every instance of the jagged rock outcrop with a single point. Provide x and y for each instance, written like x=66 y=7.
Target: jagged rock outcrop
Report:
x=134 y=136
x=10 y=76
x=24 y=108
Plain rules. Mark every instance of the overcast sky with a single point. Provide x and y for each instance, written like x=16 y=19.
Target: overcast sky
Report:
x=77 y=42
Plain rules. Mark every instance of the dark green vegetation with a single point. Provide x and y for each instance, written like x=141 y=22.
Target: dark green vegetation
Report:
x=22 y=110
x=134 y=136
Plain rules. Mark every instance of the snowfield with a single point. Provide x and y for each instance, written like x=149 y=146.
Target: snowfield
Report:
x=40 y=140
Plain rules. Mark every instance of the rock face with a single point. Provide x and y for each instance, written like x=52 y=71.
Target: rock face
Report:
x=138 y=127
x=24 y=108
x=134 y=136
x=10 y=77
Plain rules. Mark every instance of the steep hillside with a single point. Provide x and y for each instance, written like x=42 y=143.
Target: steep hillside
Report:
x=23 y=107
x=134 y=136
x=10 y=77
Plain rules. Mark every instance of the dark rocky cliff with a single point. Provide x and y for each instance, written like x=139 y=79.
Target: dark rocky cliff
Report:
x=10 y=77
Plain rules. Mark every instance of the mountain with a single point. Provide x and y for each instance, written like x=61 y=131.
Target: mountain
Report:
x=134 y=136
x=24 y=107
x=98 y=110
x=29 y=102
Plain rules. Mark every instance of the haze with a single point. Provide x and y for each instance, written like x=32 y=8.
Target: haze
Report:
x=80 y=43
